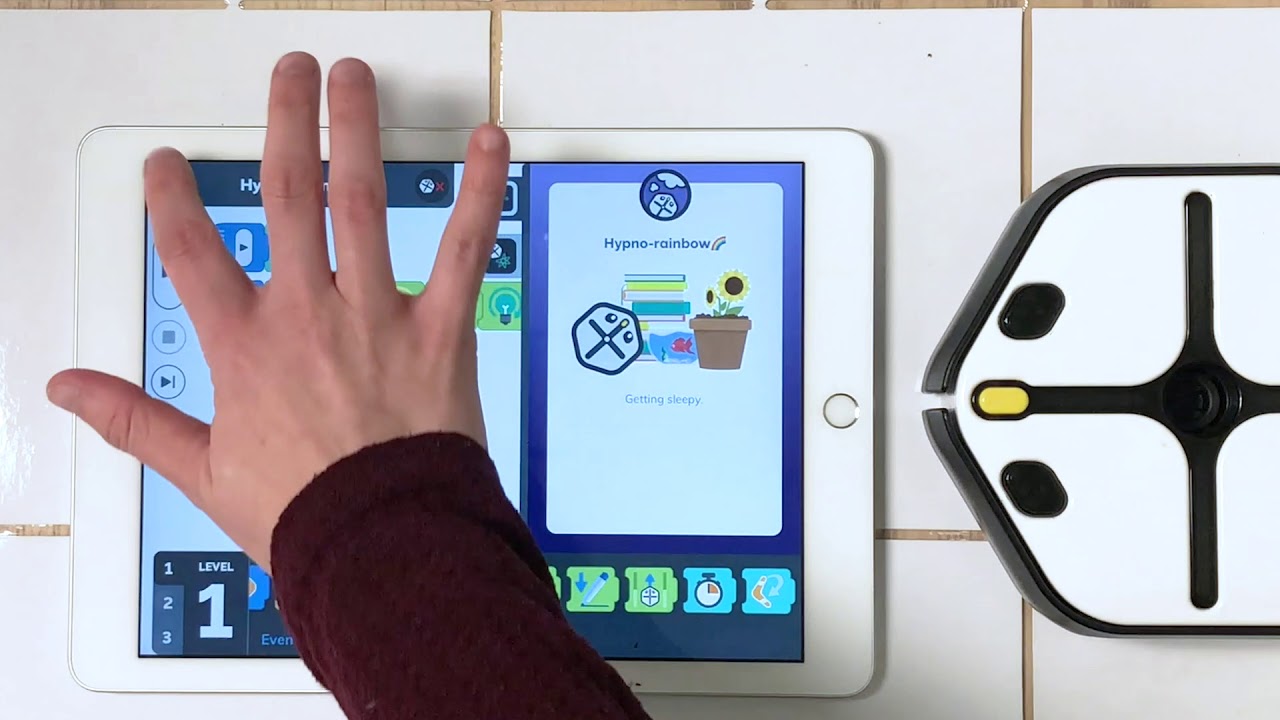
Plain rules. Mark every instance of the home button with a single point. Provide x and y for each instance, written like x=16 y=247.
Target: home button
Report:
x=840 y=411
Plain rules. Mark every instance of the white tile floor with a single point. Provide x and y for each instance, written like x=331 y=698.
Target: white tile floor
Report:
x=939 y=91
x=1079 y=678
x=1153 y=86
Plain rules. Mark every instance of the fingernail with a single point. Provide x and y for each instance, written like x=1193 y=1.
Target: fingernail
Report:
x=64 y=395
x=351 y=71
x=489 y=138
x=297 y=63
x=151 y=157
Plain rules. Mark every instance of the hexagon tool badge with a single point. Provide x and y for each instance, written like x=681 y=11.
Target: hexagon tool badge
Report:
x=606 y=338
x=1116 y=381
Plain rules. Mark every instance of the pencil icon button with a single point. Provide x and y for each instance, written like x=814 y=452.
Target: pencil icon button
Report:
x=592 y=589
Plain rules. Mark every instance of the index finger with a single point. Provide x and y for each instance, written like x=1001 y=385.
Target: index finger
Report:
x=205 y=275
x=468 y=239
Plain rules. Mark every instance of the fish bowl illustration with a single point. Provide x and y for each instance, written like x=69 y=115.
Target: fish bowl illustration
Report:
x=678 y=348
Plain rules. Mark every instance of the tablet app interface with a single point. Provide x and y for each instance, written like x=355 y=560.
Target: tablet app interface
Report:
x=639 y=336
x=663 y=367
x=200 y=595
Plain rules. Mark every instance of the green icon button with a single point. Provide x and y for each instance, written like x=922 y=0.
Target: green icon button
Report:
x=555 y=577
x=499 y=306
x=592 y=589
x=410 y=287
x=651 y=590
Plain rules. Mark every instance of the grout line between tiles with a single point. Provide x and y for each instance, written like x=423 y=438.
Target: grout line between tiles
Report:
x=931 y=535
x=495 y=6
x=1154 y=4
x=894 y=534
x=925 y=535
x=625 y=5
x=1024 y=147
x=892 y=4
x=1028 y=664
x=997 y=4
x=113 y=5
x=495 y=64
x=367 y=5
x=1024 y=152
x=34 y=530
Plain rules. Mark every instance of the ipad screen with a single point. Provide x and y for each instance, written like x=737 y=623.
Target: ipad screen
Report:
x=640 y=356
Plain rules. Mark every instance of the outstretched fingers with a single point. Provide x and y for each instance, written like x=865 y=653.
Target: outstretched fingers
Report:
x=159 y=435
x=454 y=285
x=293 y=178
x=205 y=275
x=358 y=188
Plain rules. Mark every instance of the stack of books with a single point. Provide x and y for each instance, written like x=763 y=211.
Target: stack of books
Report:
x=660 y=305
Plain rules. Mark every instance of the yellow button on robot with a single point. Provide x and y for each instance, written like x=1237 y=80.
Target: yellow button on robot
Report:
x=1003 y=401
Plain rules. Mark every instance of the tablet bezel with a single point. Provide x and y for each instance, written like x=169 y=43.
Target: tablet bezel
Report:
x=839 y=257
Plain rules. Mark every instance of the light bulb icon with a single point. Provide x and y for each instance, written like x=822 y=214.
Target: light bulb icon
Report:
x=505 y=303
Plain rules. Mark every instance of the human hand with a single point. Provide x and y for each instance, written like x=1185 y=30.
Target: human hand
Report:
x=315 y=365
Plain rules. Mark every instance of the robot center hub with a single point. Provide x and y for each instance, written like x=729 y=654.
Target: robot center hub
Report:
x=1202 y=399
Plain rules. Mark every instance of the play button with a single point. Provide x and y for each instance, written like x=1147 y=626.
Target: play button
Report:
x=168 y=382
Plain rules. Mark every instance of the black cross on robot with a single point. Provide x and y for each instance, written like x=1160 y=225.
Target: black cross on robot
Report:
x=1200 y=399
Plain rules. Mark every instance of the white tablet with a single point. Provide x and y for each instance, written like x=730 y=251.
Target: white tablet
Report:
x=676 y=361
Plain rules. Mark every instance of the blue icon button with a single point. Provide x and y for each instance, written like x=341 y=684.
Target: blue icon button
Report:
x=247 y=243
x=168 y=382
x=710 y=590
x=770 y=591
x=664 y=195
x=169 y=337
x=162 y=290
x=259 y=588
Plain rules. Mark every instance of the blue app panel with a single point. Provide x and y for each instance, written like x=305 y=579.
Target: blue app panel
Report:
x=663 y=386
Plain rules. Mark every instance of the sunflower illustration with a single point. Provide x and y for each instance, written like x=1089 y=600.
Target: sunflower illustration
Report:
x=733 y=286
x=711 y=296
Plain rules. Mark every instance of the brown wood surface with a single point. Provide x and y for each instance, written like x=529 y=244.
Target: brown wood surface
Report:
x=34 y=530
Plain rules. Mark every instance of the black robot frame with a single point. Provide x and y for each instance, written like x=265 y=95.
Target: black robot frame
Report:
x=1199 y=398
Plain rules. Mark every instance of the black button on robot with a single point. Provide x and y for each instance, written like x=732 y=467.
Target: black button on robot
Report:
x=1034 y=489
x=1032 y=311
x=1202 y=400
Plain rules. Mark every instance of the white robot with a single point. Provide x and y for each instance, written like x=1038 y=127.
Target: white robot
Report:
x=1116 y=417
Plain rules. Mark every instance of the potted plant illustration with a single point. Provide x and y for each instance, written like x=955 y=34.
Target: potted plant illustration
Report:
x=721 y=334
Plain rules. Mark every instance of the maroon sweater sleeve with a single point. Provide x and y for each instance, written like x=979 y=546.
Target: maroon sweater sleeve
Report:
x=413 y=589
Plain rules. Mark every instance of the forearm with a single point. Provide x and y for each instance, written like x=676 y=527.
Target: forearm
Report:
x=413 y=589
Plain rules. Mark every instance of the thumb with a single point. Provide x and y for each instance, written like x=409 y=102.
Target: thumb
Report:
x=159 y=435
